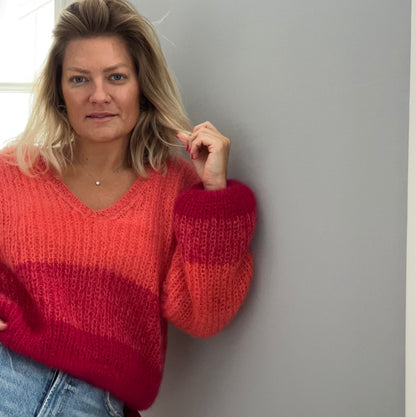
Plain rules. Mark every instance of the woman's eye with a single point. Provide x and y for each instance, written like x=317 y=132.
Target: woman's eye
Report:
x=78 y=79
x=117 y=77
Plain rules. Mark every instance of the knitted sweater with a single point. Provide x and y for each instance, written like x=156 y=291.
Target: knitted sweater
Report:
x=90 y=292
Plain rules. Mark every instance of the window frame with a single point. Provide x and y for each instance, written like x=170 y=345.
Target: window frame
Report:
x=27 y=87
x=6 y=87
x=21 y=87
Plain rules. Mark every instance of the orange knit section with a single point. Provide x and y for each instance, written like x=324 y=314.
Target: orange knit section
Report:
x=188 y=302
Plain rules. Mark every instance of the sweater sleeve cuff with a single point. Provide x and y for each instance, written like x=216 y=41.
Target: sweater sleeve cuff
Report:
x=233 y=201
x=215 y=227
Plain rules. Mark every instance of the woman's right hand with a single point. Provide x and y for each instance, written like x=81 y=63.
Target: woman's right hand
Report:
x=3 y=325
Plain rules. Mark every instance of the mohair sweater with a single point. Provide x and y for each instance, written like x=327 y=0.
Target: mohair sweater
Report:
x=90 y=292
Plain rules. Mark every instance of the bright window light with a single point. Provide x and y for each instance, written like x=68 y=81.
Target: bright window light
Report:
x=26 y=34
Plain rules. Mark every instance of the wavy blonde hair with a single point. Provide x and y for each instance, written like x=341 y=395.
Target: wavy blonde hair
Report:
x=48 y=133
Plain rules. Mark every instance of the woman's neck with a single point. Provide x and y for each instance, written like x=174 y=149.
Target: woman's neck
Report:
x=103 y=157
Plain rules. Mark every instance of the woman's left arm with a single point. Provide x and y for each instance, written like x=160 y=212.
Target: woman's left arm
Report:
x=212 y=265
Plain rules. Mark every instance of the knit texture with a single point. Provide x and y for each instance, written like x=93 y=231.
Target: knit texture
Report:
x=90 y=292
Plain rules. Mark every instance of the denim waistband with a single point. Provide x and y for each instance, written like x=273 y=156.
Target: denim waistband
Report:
x=28 y=388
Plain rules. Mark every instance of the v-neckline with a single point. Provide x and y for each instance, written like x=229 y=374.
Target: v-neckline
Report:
x=115 y=210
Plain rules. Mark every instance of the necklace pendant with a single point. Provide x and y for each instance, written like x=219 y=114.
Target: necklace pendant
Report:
x=97 y=183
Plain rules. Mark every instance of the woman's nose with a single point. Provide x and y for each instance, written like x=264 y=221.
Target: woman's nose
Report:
x=99 y=93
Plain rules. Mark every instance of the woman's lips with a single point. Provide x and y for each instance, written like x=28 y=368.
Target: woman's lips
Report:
x=100 y=116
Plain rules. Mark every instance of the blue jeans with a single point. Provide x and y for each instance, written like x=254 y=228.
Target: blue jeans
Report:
x=28 y=388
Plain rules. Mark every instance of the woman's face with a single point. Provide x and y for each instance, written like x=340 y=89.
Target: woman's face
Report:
x=100 y=89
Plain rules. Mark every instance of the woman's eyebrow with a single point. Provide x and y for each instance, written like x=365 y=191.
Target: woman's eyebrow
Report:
x=108 y=69
x=76 y=69
x=115 y=67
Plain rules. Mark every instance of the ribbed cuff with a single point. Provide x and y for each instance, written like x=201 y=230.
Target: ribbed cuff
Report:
x=235 y=200
x=215 y=227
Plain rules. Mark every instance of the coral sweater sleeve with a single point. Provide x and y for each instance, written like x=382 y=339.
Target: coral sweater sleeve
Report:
x=212 y=265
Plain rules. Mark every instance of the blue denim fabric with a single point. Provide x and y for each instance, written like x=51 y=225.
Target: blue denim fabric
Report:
x=30 y=389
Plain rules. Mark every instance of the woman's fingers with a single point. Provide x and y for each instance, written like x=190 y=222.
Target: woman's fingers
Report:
x=209 y=151
x=185 y=138
x=208 y=142
x=188 y=137
x=206 y=125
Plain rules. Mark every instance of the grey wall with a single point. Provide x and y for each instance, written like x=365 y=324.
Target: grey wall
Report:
x=314 y=95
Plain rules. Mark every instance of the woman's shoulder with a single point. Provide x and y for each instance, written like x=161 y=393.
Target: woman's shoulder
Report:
x=178 y=165
x=12 y=169
x=8 y=160
x=10 y=175
x=180 y=169
x=177 y=175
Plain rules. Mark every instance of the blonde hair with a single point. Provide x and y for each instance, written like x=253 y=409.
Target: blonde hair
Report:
x=48 y=133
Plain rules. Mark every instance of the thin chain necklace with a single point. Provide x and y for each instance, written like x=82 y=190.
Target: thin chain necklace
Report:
x=99 y=181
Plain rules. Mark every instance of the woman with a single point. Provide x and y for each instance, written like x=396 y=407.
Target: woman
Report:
x=106 y=235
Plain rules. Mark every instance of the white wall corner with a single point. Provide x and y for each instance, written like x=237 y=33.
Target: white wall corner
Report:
x=411 y=237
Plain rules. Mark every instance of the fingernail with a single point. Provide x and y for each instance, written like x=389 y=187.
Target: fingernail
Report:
x=187 y=147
